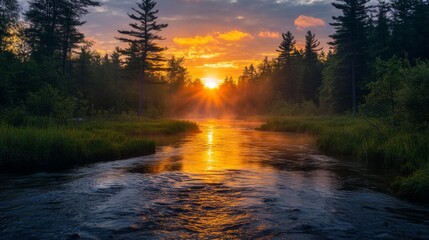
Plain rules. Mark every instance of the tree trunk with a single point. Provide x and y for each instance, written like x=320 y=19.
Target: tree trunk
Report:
x=140 y=110
x=354 y=88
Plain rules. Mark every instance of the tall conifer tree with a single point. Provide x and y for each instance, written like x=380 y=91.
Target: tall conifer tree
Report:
x=142 y=39
x=350 y=43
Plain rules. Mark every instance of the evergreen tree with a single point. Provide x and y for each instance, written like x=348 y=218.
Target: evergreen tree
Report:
x=177 y=74
x=53 y=27
x=143 y=49
x=289 y=61
x=312 y=73
x=286 y=48
x=265 y=68
x=402 y=11
x=9 y=13
x=420 y=34
x=380 y=35
x=350 y=43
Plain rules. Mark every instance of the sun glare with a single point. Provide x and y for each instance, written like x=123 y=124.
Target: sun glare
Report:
x=211 y=83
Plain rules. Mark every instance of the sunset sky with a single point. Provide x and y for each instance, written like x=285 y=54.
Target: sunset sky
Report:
x=217 y=37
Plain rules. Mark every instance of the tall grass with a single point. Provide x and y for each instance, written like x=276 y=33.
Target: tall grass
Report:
x=60 y=146
x=372 y=141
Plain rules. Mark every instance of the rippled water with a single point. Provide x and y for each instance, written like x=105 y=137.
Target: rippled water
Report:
x=228 y=182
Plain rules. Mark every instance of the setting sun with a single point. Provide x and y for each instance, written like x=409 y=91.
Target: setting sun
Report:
x=211 y=83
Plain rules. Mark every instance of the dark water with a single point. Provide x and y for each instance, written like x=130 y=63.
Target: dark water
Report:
x=228 y=182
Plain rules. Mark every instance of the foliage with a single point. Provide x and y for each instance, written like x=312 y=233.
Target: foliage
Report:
x=50 y=102
x=9 y=14
x=283 y=108
x=53 y=27
x=400 y=93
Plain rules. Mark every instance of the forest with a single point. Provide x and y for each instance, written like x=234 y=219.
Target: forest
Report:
x=377 y=66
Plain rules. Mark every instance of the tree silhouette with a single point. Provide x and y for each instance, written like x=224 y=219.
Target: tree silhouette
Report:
x=350 y=43
x=287 y=47
x=312 y=73
x=53 y=27
x=143 y=48
x=9 y=13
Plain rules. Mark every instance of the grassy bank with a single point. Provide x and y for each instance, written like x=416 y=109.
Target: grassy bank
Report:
x=372 y=141
x=50 y=146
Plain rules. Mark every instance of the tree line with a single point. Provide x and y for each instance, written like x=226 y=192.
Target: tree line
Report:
x=376 y=65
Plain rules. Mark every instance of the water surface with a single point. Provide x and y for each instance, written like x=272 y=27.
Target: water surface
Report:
x=229 y=182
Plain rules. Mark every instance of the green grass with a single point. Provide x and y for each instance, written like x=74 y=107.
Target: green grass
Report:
x=372 y=141
x=59 y=146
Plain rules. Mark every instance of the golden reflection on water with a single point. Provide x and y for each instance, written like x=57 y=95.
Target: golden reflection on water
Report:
x=223 y=161
x=216 y=150
x=219 y=176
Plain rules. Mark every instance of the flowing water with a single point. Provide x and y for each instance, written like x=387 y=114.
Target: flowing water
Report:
x=227 y=182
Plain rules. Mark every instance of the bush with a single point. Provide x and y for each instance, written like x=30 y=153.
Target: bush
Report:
x=283 y=108
x=49 y=101
x=15 y=116
x=400 y=93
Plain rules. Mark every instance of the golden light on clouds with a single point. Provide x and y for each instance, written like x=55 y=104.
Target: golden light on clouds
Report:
x=193 y=41
x=216 y=43
x=219 y=65
x=268 y=34
x=306 y=21
x=215 y=53
x=234 y=35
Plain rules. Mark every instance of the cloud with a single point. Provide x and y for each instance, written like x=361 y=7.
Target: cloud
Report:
x=306 y=21
x=192 y=41
x=234 y=35
x=219 y=65
x=210 y=55
x=268 y=34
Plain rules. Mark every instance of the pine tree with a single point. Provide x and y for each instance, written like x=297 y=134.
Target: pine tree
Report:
x=9 y=13
x=420 y=33
x=177 y=74
x=312 y=73
x=350 y=43
x=143 y=48
x=403 y=11
x=381 y=34
x=286 y=48
x=53 y=27
x=265 y=68
x=312 y=47
x=289 y=62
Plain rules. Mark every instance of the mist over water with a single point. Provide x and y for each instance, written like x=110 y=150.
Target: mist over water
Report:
x=229 y=181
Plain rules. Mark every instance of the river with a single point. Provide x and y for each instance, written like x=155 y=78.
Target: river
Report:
x=227 y=182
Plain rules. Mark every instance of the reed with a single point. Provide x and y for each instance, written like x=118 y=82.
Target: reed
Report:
x=29 y=148
x=374 y=142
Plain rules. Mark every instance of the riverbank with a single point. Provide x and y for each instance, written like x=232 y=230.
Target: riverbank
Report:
x=377 y=144
x=51 y=146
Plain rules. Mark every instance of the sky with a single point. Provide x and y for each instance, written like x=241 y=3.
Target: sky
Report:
x=217 y=37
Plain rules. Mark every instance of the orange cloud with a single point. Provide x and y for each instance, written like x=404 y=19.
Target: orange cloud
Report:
x=219 y=65
x=306 y=21
x=209 y=55
x=234 y=35
x=197 y=40
x=268 y=34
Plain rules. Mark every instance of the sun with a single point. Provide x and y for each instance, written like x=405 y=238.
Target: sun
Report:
x=211 y=83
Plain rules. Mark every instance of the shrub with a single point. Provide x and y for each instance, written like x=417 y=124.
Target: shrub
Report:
x=49 y=101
